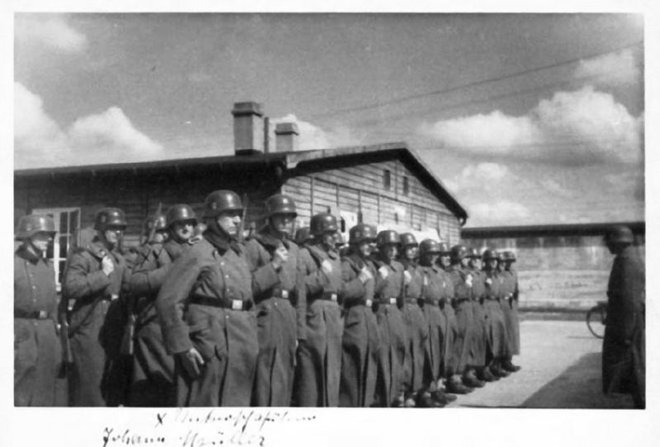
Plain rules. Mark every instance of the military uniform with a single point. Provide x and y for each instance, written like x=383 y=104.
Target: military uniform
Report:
x=279 y=323
x=417 y=331
x=434 y=295
x=462 y=303
x=319 y=356
x=361 y=337
x=37 y=350
x=477 y=357
x=496 y=327
x=393 y=331
x=96 y=326
x=624 y=360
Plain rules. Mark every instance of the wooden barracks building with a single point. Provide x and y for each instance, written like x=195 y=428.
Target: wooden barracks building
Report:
x=385 y=184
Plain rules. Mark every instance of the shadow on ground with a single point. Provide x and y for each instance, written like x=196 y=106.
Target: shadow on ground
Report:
x=579 y=386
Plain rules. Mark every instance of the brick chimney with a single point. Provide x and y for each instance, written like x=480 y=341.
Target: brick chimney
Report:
x=248 y=127
x=286 y=137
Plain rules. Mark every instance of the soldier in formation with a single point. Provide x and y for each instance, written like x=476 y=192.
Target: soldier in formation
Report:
x=210 y=319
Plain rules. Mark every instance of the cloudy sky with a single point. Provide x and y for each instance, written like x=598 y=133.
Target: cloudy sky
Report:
x=527 y=118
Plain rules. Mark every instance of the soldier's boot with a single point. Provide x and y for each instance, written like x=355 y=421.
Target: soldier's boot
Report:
x=440 y=388
x=470 y=379
x=409 y=401
x=507 y=365
x=496 y=369
x=425 y=399
x=484 y=374
x=455 y=385
x=399 y=401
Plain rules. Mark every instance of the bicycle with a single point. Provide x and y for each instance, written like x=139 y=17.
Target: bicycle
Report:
x=596 y=317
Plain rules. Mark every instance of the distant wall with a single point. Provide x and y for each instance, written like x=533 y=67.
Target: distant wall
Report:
x=567 y=272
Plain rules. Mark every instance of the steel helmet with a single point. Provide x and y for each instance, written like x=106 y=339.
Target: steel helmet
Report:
x=407 y=239
x=109 y=217
x=280 y=204
x=303 y=235
x=34 y=223
x=387 y=237
x=220 y=201
x=429 y=246
x=508 y=255
x=323 y=223
x=155 y=223
x=362 y=232
x=180 y=213
x=490 y=254
x=458 y=252
x=444 y=248
x=619 y=234
x=473 y=253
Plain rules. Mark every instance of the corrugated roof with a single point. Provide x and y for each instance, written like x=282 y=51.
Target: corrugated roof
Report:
x=576 y=229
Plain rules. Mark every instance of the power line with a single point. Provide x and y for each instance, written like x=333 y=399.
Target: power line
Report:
x=471 y=84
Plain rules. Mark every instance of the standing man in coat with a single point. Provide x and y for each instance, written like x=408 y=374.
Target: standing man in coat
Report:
x=203 y=307
x=511 y=299
x=319 y=355
x=390 y=283
x=479 y=346
x=361 y=340
x=624 y=360
x=94 y=278
x=417 y=330
x=280 y=308
x=496 y=329
x=37 y=350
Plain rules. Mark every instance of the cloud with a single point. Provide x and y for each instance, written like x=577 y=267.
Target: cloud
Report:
x=553 y=187
x=479 y=176
x=49 y=30
x=610 y=70
x=314 y=137
x=572 y=128
x=104 y=137
x=500 y=212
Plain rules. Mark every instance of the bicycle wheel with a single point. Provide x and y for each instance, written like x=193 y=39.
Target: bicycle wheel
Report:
x=596 y=321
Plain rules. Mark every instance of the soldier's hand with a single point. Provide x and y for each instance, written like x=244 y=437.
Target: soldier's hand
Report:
x=407 y=277
x=326 y=266
x=280 y=256
x=107 y=265
x=383 y=272
x=192 y=362
x=365 y=275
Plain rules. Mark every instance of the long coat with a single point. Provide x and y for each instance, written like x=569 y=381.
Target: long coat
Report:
x=624 y=358
x=417 y=330
x=496 y=329
x=480 y=338
x=319 y=356
x=392 y=329
x=279 y=323
x=463 y=309
x=96 y=326
x=507 y=288
x=153 y=381
x=435 y=350
x=204 y=303
x=512 y=301
x=37 y=350
x=361 y=337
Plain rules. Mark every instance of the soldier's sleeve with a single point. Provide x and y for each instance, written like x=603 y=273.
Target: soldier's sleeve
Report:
x=315 y=279
x=380 y=283
x=79 y=281
x=264 y=275
x=630 y=289
x=171 y=300
x=352 y=288
x=149 y=275
x=301 y=299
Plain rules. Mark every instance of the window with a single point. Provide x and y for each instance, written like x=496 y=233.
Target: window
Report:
x=406 y=186
x=67 y=224
x=387 y=179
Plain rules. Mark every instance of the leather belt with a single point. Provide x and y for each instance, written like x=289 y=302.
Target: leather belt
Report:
x=328 y=296
x=414 y=301
x=36 y=315
x=277 y=293
x=359 y=302
x=391 y=300
x=432 y=302
x=222 y=303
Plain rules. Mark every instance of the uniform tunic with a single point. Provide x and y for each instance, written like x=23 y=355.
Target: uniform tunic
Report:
x=451 y=354
x=433 y=292
x=279 y=323
x=479 y=344
x=153 y=382
x=37 y=350
x=393 y=331
x=204 y=303
x=96 y=326
x=506 y=293
x=417 y=330
x=623 y=346
x=463 y=309
x=514 y=335
x=496 y=330
x=319 y=355
x=361 y=338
